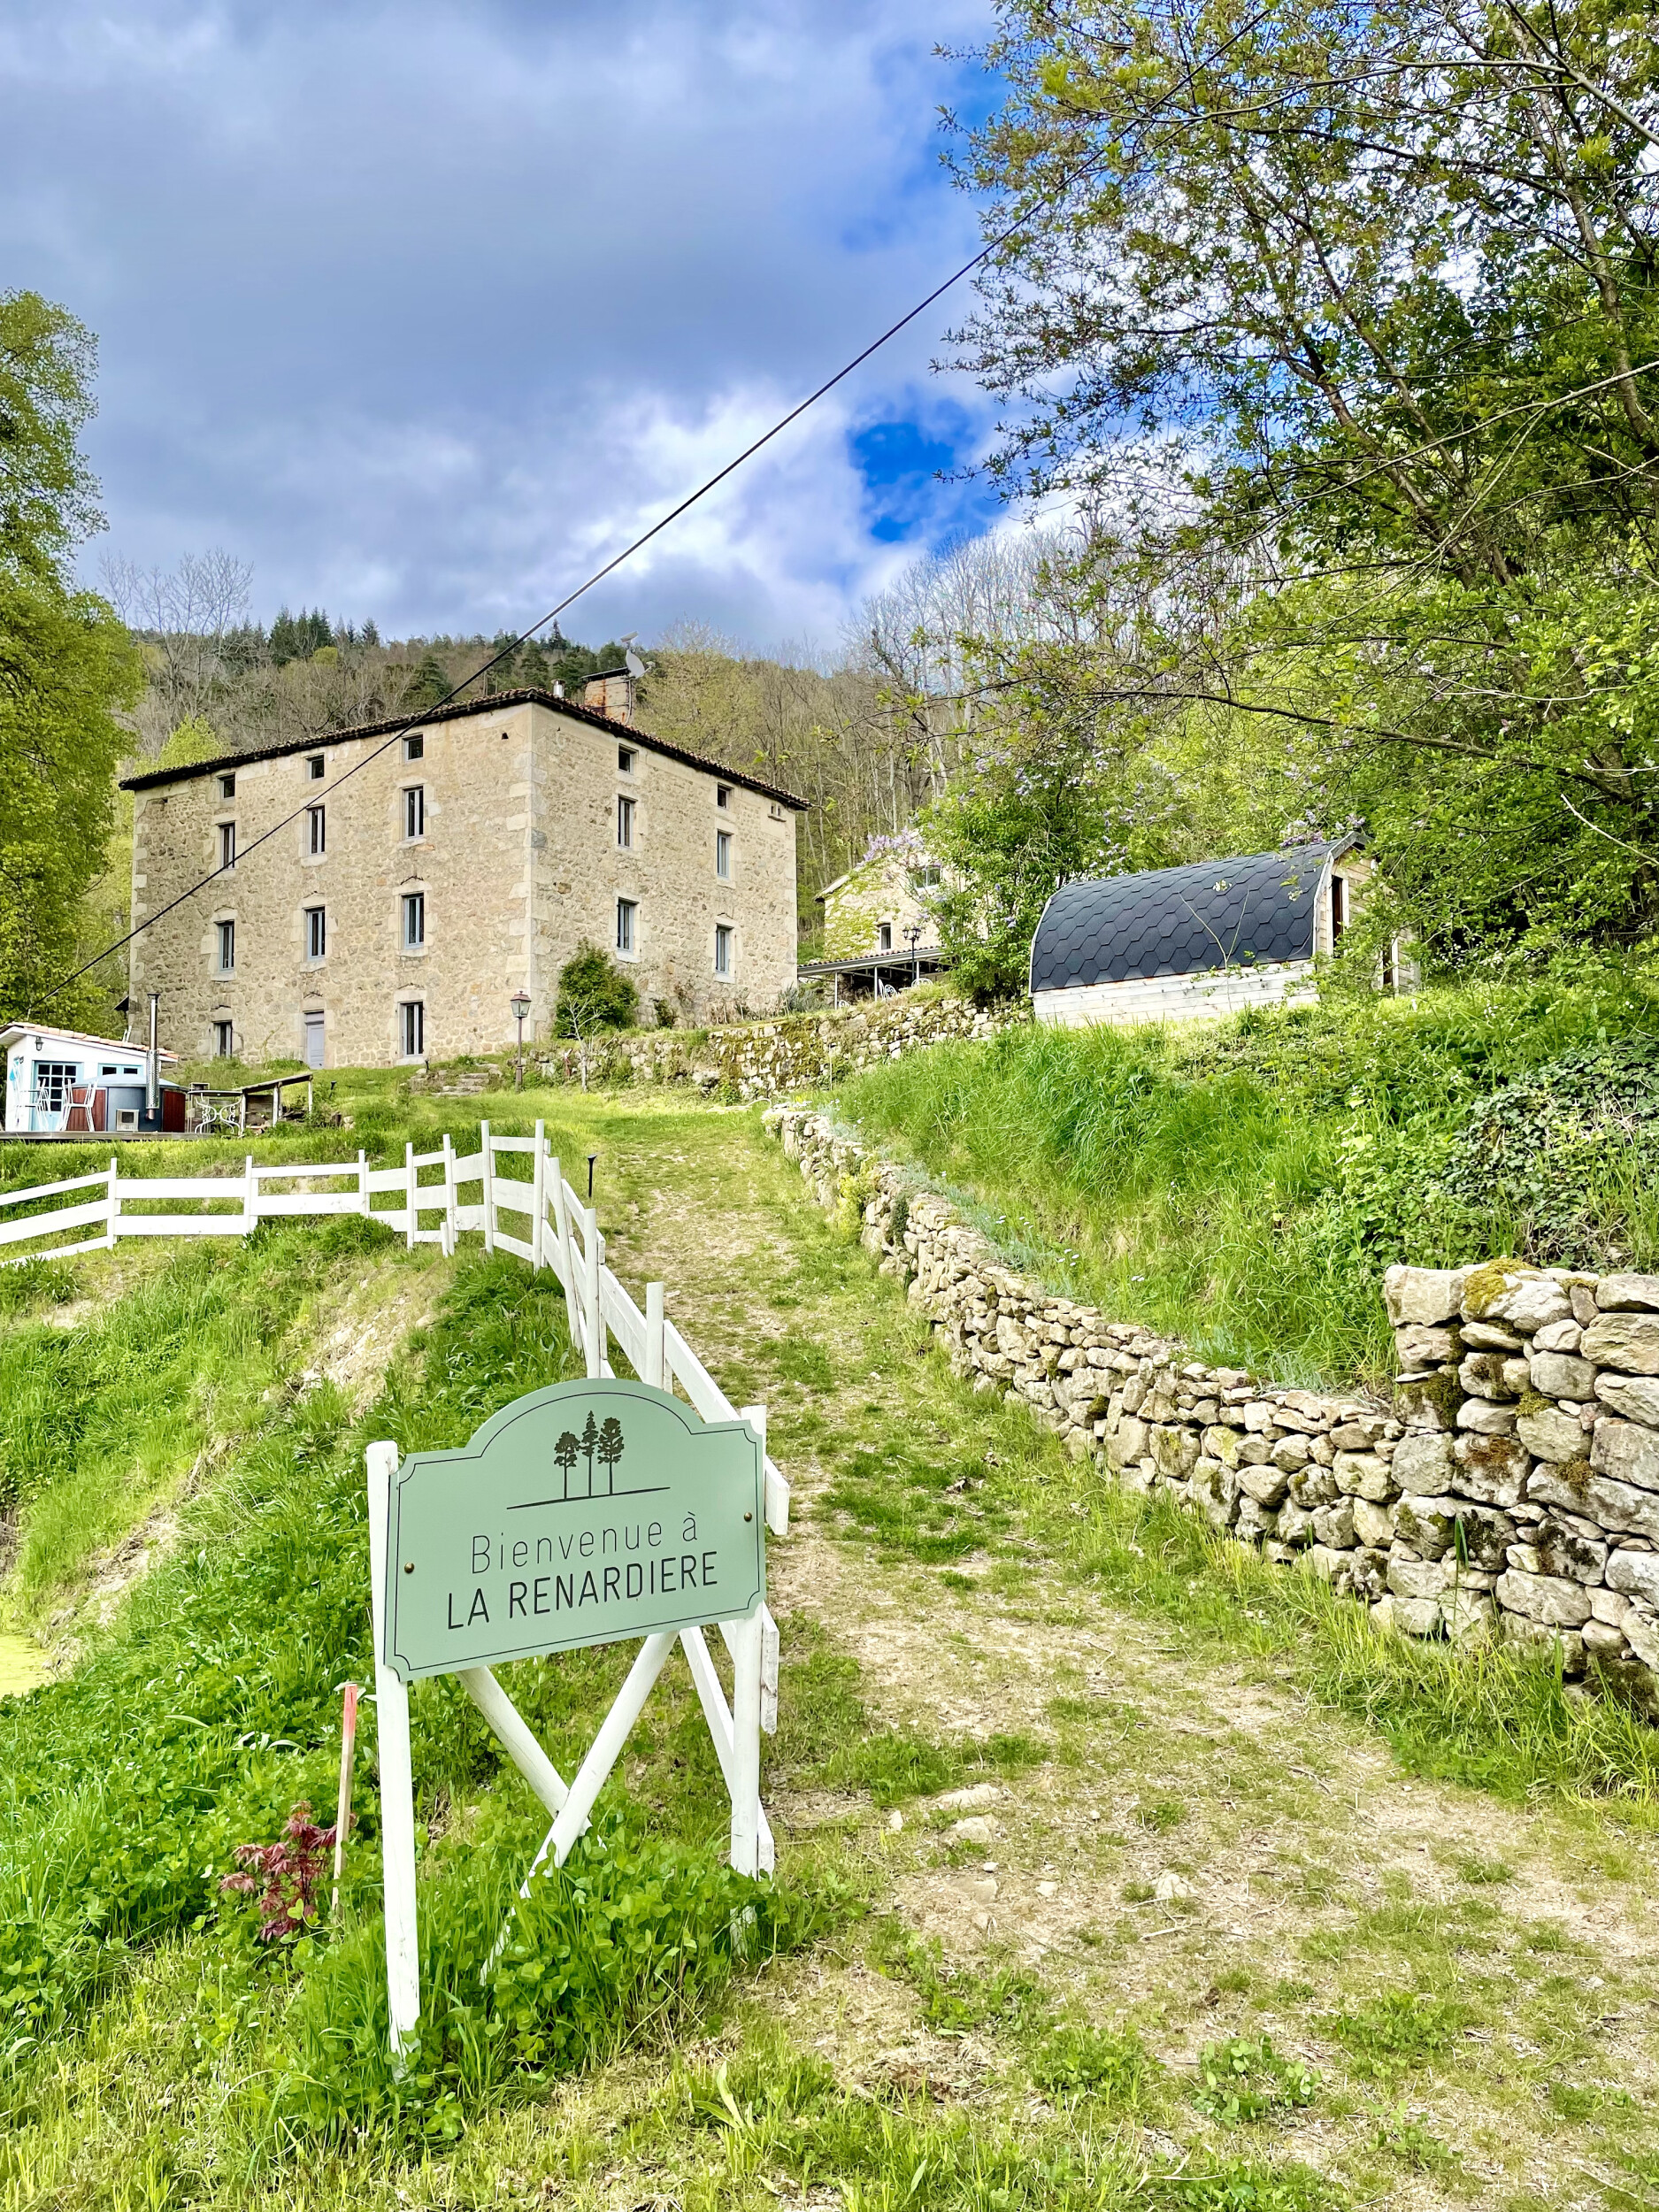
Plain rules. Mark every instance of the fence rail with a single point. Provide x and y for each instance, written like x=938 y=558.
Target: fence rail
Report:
x=560 y=1232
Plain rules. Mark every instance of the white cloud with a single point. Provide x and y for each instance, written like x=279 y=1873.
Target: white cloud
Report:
x=421 y=308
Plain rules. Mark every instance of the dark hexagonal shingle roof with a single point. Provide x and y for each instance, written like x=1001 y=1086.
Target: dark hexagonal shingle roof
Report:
x=1181 y=921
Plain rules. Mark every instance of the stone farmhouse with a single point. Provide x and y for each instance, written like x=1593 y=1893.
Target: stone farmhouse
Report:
x=880 y=933
x=427 y=874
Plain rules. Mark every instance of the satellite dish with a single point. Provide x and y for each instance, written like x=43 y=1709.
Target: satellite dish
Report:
x=636 y=666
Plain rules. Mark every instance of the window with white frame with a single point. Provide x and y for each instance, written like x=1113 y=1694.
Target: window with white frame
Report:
x=224 y=1041
x=627 y=925
x=414 y=921
x=413 y=1020
x=723 y=934
x=415 y=810
x=723 y=855
x=626 y=758
x=316 y=933
x=316 y=767
x=225 y=946
x=54 y=1080
x=625 y=825
x=227 y=787
x=884 y=936
x=316 y=830
x=415 y=746
x=722 y=794
x=228 y=844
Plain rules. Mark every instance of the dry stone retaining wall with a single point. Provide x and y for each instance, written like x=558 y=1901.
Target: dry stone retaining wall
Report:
x=1509 y=1486
x=758 y=1059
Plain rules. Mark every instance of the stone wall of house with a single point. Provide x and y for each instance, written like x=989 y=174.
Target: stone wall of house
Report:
x=758 y=1059
x=1509 y=1485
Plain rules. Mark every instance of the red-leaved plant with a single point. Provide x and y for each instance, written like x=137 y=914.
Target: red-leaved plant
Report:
x=285 y=1876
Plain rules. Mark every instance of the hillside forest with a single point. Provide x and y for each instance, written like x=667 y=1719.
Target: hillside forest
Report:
x=1326 y=349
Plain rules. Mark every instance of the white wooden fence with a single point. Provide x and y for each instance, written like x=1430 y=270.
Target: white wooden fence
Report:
x=552 y=1227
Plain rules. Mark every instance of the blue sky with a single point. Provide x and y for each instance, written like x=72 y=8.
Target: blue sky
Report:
x=424 y=309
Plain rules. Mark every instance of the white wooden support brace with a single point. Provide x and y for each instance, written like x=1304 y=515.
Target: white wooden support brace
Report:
x=538 y=1202
x=607 y=1747
x=488 y=1167
x=409 y=1181
x=718 y=1713
x=451 y=1224
x=397 y=1780
x=515 y=1738
x=363 y=1182
x=744 y=1638
x=593 y=1327
x=249 y=1197
x=115 y=1204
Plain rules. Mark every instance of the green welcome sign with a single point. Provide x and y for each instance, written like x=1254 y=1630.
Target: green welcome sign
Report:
x=580 y=1514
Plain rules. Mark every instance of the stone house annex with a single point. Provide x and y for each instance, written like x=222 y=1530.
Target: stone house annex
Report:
x=430 y=874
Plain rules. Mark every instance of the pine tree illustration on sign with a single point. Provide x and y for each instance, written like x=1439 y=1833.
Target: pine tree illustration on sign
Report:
x=590 y=1444
x=564 y=1452
x=610 y=1452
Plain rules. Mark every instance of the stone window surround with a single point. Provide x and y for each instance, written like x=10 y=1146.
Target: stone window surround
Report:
x=413 y=997
x=312 y=851
x=415 y=889
x=221 y=823
x=632 y=952
x=723 y=849
x=728 y=972
x=221 y=922
x=224 y=1029
x=628 y=821
x=316 y=767
x=423 y=834
x=314 y=906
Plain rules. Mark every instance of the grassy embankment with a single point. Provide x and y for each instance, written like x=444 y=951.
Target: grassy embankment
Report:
x=172 y=2064
x=1243 y=1184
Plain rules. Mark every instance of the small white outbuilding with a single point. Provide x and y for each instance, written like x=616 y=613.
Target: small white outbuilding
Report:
x=60 y=1080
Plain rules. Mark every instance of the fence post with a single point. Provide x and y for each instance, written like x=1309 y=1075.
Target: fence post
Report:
x=538 y=1207
x=565 y=1265
x=249 y=1199
x=746 y=1669
x=451 y=1227
x=487 y=1160
x=593 y=1328
x=409 y=1181
x=115 y=1205
x=362 y=1183
x=653 y=1372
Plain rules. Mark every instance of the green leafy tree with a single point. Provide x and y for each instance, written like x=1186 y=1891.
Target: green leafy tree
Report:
x=1366 y=301
x=593 y=994
x=67 y=667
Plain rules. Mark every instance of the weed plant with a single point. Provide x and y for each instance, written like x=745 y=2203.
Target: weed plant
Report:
x=1243 y=1184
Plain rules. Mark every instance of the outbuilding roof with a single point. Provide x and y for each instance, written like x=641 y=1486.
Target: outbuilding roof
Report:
x=1181 y=921
x=152 y=779
x=15 y=1032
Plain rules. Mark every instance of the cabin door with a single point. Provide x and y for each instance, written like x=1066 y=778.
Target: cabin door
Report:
x=313 y=1040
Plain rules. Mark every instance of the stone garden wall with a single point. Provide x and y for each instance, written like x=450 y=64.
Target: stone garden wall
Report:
x=1509 y=1486
x=758 y=1059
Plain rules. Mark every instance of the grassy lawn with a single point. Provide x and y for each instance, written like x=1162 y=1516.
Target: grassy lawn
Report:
x=1242 y=1907
x=1243 y=1184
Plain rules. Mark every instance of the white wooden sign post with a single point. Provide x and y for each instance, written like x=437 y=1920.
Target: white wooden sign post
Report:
x=586 y=1513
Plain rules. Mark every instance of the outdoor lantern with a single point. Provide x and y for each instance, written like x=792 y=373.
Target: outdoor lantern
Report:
x=520 y=1004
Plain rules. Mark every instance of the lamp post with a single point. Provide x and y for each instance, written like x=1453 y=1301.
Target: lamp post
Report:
x=911 y=935
x=520 y=1004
